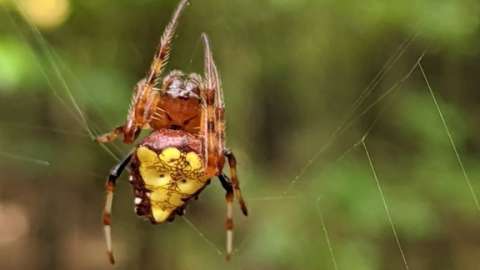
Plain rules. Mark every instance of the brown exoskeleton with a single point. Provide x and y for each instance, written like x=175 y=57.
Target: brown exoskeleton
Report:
x=186 y=147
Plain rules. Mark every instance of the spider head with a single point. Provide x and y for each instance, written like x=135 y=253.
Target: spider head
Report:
x=179 y=85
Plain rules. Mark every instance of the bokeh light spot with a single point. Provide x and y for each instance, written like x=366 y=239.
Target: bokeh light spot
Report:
x=46 y=14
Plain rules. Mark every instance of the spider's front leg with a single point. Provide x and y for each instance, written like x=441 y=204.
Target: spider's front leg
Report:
x=213 y=123
x=212 y=130
x=110 y=136
x=143 y=104
x=144 y=101
x=145 y=97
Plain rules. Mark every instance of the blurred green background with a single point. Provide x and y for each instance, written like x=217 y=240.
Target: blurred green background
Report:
x=304 y=80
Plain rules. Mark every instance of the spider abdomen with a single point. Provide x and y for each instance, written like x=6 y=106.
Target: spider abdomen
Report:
x=167 y=170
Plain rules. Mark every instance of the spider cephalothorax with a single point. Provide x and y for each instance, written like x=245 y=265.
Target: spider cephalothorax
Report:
x=186 y=147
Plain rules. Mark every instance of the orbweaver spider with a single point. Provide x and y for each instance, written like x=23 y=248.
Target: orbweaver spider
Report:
x=186 y=147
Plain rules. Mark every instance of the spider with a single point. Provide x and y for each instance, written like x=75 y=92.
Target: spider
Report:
x=186 y=147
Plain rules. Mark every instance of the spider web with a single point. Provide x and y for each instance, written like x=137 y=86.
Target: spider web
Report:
x=55 y=70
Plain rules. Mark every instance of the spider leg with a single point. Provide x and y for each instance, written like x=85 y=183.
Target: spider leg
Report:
x=216 y=124
x=107 y=216
x=163 y=51
x=232 y=162
x=145 y=96
x=229 y=220
x=110 y=136
x=211 y=128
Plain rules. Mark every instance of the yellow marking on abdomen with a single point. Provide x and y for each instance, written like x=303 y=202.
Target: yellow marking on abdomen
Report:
x=171 y=176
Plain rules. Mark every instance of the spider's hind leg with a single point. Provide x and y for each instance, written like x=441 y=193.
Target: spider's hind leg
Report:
x=107 y=211
x=232 y=162
x=225 y=181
